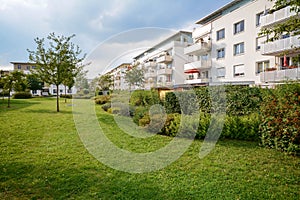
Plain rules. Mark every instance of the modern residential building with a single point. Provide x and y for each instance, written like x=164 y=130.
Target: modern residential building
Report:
x=227 y=47
x=47 y=89
x=163 y=63
x=118 y=75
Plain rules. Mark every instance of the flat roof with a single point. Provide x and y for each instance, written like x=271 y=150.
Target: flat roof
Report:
x=218 y=12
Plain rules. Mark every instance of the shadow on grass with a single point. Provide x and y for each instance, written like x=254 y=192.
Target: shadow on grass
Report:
x=15 y=104
x=61 y=182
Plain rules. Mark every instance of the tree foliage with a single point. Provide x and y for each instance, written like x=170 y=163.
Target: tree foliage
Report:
x=105 y=82
x=135 y=77
x=291 y=26
x=60 y=62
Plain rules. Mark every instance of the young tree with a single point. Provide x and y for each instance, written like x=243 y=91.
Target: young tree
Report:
x=135 y=77
x=105 y=82
x=61 y=60
x=15 y=80
x=68 y=82
x=34 y=82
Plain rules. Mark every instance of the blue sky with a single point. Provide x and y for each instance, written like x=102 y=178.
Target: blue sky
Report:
x=93 y=21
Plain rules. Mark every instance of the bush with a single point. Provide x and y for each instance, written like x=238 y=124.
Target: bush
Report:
x=280 y=118
x=102 y=99
x=22 y=95
x=144 y=98
x=106 y=106
x=4 y=93
x=67 y=96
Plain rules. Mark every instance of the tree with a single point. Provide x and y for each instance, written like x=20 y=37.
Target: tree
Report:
x=105 y=82
x=135 y=77
x=60 y=61
x=34 y=82
x=290 y=26
x=15 y=80
x=68 y=82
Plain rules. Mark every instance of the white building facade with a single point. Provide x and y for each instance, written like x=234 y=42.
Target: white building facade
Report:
x=163 y=64
x=227 y=47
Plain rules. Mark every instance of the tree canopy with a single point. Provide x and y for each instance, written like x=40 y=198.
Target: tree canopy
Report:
x=291 y=26
x=57 y=63
x=135 y=77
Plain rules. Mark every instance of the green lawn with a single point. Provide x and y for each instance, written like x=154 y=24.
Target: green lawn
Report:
x=42 y=157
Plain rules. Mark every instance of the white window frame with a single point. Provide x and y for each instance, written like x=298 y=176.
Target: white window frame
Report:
x=239 y=70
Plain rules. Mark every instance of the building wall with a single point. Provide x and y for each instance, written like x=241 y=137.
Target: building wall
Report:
x=251 y=55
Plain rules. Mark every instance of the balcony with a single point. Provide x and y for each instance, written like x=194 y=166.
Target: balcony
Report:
x=164 y=84
x=164 y=59
x=280 y=46
x=164 y=71
x=276 y=17
x=149 y=64
x=150 y=75
x=197 y=81
x=202 y=64
x=198 y=49
x=280 y=75
x=201 y=31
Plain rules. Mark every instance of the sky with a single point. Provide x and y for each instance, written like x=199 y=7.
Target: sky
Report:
x=112 y=28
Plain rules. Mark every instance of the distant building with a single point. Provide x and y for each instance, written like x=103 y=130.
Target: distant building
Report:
x=51 y=89
x=118 y=76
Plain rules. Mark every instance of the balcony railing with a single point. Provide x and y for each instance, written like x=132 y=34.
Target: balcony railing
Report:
x=150 y=64
x=164 y=59
x=280 y=75
x=202 y=64
x=277 y=16
x=279 y=46
x=198 y=49
x=150 y=75
x=197 y=81
x=164 y=71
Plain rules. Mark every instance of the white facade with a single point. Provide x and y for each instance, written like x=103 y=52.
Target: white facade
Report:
x=228 y=47
x=118 y=75
x=163 y=64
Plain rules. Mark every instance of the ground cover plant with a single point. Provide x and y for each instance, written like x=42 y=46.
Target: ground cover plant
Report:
x=42 y=157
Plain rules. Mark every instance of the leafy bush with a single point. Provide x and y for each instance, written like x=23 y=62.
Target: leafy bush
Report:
x=106 y=106
x=4 y=93
x=144 y=98
x=280 y=118
x=22 y=95
x=102 y=99
x=67 y=96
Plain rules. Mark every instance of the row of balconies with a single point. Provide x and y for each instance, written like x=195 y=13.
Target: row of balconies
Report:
x=165 y=71
x=280 y=75
x=277 y=16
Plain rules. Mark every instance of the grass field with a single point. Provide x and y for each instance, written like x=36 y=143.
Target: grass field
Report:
x=42 y=157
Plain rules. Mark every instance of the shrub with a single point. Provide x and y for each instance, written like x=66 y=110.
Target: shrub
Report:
x=144 y=98
x=67 y=96
x=106 y=106
x=102 y=99
x=280 y=118
x=22 y=95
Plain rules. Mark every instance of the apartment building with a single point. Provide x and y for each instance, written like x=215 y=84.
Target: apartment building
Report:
x=118 y=75
x=163 y=63
x=227 y=47
x=26 y=67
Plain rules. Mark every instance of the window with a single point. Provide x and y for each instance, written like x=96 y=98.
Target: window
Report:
x=238 y=70
x=221 y=72
x=239 y=27
x=258 y=18
x=19 y=66
x=28 y=67
x=259 y=41
x=204 y=74
x=61 y=91
x=221 y=34
x=54 y=91
x=33 y=67
x=221 y=53
x=262 y=66
x=239 y=48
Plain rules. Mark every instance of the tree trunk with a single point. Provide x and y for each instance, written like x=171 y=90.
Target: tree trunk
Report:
x=65 y=94
x=57 y=98
x=8 y=102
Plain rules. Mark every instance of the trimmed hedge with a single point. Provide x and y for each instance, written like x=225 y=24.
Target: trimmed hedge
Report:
x=280 y=118
x=22 y=95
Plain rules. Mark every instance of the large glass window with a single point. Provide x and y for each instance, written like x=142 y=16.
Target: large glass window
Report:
x=239 y=48
x=221 y=34
x=262 y=66
x=239 y=27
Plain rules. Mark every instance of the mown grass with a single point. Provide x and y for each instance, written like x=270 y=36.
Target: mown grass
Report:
x=42 y=157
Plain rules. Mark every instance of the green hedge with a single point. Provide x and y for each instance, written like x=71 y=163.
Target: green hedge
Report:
x=280 y=118
x=22 y=95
